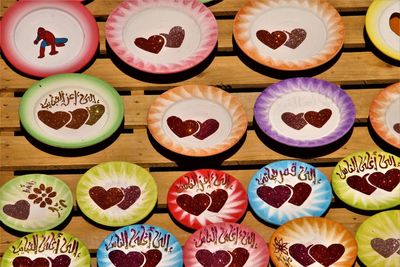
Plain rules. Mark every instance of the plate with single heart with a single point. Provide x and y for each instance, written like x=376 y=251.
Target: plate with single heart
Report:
x=35 y=202
x=382 y=23
x=304 y=112
x=378 y=239
x=312 y=241
x=289 y=35
x=384 y=114
x=225 y=244
x=45 y=249
x=116 y=193
x=140 y=245
x=206 y=196
x=42 y=38
x=71 y=110
x=197 y=120
x=162 y=37
x=289 y=189
x=368 y=180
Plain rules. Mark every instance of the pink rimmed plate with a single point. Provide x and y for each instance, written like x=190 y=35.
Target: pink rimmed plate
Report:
x=304 y=112
x=197 y=120
x=162 y=36
x=289 y=35
x=49 y=37
x=384 y=114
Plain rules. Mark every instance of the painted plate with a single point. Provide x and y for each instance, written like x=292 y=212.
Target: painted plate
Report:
x=312 y=241
x=289 y=35
x=42 y=38
x=47 y=248
x=384 y=114
x=368 y=180
x=206 y=196
x=116 y=193
x=140 y=245
x=378 y=239
x=71 y=110
x=225 y=244
x=217 y=122
x=285 y=190
x=34 y=202
x=304 y=112
x=162 y=36
x=382 y=23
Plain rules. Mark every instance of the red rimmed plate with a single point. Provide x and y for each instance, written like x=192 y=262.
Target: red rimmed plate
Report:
x=162 y=36
x=289 y=35
x=197 y=120
x=206 y=196
x=384 y=114
x=312 y=241
x=49 y=37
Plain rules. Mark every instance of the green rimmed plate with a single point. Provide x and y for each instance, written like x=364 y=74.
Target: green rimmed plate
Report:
x=35 y=202
x=368 y=180
x=47 y=248
x=116 y=193
x=71 y=110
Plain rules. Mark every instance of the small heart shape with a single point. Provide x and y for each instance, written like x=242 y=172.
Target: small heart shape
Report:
x=327 y=255
x=95 y=113
x=193 y=205
x=22 y=261
x=318 y=119
x=60 y=261
x=276 y=196
x=396 y=127
x=296 y=37
x=299 y=252
x=387 y=181
x=301 y=191
x=153 y=44
x=106 y=198
x=272 y=40
x=174 y=37
x=394 y=23
x=387 y=247
x=182 y=128
x=219 y=258
x=218 y=199
x=54 y=120
x=153 y=257
x=120 y=259
x=207 y=128
x=296 y=121
x=239 y=257
x=360 y=184
x=78 y=118
x=20 y=210
x=131 y=194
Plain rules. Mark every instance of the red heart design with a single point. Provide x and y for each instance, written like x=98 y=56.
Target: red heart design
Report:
x=60 y=261
x=296 y=37
x=394 y=23
x=120 y=259
x=272 y=40
x=274 y=196
x=239 y=257
x=300 y=253
x=153 y=44
x=296 y=121
x=174 y=37
x=301 y=191
x=318 y=119
x=106 y=198
x=194 y=205
x=220 y=258
x=153 y=257
x=385 y=247
x=182 y=128
x=131 y=194
x=218 y=199
x=20 y=210
x=79 y=117
x=54 y=120
x=387 y=181
x=396 y=127
x=207 y=128
x=327 y=255
x=360 y=184
x=22 y=261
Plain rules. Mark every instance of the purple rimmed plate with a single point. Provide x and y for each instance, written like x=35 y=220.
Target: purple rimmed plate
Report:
x=304 y=112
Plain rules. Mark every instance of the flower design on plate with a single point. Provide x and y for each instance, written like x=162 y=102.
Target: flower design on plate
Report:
x=43 y=195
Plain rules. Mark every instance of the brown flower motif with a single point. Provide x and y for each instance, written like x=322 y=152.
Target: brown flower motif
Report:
x=42 y=195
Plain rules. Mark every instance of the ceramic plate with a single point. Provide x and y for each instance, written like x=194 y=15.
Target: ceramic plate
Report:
x=285 y=190
x=304 y=112
x=225 y=244
x=34 y=202
x=71 y=110
x=382 y=23
x=206 y=196
x=378 y=239
x=384 y=114
x=42 y=38
x=162 y=36
x=289 y=35
x=368 y=180
x=197 y=120
x=140 y=245
x=116 y=193
x=47 y=248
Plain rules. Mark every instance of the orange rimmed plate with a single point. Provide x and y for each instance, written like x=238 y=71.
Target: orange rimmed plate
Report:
x=384 y=114
x=197 y=120
x=289 y=35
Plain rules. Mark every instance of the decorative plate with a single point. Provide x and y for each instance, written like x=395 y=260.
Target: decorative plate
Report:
x=140 y=245
x=42 y=38
x=206 y=196
x=116 y=193
x=47 y=248
x=312 y=241
x=34 y=202
x=368 y=180
x=378 y=239
x=162 y=36
x=225 y=244
x=384 y=114
x=71 y=110
x=285 y=190
x=304 y=112
x=382 y=23
x=289 y=35
x=197 y=120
